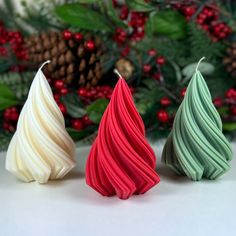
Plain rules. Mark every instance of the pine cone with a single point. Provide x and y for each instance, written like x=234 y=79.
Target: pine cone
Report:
x=70 y=60
x=230 y=60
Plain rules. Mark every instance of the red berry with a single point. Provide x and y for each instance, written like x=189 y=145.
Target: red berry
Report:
x=90 y=45
x=231 y=94
x=233 y=110
x=77 y=124
x=125 y=51
x=132 y=90
x=218 y=102
x=67 y=34
x=120 y=35
x=152 y=52
x=200 y=21
x=100 y=95
x=63 y=91
x=162 y=116
x=7 y=114
x=109 y=96
x=78 y=37
x=86 y=120
x=59 y=84
x=165 y=101
x=8 y=127
x=14 y=116
x=189 y=11
x=57 y=97
x=157 y=76
x=82 y=92
x=160 y=60
x=147 y=68
x=124 y=12
x=62 y=108
x=182 y=92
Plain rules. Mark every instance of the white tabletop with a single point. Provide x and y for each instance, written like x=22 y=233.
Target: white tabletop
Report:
x=176 y=206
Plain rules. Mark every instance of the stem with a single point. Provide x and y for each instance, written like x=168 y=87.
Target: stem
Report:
x=169 y=93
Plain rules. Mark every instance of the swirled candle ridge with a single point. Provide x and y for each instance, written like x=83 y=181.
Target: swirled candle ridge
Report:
x=196 y=146
x=121 y=162
x=40 y=149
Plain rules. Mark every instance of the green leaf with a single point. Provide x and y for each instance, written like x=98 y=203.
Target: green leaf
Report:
x=223 y=110
x=229 y=127
x=78 y=135
x=82 y=17
x=73 y=105
x=169 y=23
x=111 y=12
x=96 y=110
x=139 y=5
x=7 y=97
x=204 y=67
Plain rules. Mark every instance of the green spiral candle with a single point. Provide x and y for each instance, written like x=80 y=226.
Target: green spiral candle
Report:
x=196 y=146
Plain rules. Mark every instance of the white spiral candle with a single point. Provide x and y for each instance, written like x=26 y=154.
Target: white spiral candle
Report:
x=40 y=149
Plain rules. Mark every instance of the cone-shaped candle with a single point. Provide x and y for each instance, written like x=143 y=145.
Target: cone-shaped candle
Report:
x=121 y=162
x=40 y=149
x=196 y=146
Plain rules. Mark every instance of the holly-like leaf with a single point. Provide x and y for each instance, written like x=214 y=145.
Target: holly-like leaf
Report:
x=169 y=23
x=139 y=5
x=229 y=127
x=96 y=110
x=111 y=12
x=73 y=105
x=78 y=135
x=7 y=97
x=83 y=17
x=204 y=67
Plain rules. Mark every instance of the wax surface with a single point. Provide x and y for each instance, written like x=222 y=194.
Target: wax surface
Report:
x=121 y=162
x=40 y=149
x=196 y=147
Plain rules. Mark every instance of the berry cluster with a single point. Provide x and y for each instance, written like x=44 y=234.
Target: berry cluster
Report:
x=136 y=22
x=163 y=115
x=208 y=19
x=89 y=44
x=187 y=10
x=92 y=94
x=81 y=123
x=12 y=43
x=155 y=62
x=59 y=90
x=10 y=118
x=228 y=101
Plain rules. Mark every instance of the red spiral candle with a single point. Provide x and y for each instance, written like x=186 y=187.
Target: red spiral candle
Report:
x=121 y=162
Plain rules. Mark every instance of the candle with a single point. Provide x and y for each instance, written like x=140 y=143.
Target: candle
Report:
x=196 y=146
x=121 y=162
x=40 y=149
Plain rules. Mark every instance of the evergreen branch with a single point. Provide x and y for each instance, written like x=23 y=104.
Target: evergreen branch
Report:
x=5 y=139
x=19 y=83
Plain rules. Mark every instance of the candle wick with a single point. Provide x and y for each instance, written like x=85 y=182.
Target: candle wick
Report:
x=118 y=73
x=199 y=63
x=46 y=62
